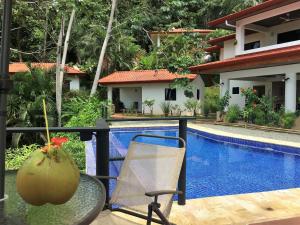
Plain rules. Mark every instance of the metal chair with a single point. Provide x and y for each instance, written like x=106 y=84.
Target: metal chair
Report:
x=147 y=182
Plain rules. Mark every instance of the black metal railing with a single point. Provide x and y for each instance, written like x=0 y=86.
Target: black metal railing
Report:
x=101 y=132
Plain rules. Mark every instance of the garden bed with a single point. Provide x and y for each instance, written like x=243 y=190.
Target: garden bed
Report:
x=255 y=127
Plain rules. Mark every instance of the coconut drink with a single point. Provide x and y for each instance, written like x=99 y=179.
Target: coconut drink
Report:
x=49 y=175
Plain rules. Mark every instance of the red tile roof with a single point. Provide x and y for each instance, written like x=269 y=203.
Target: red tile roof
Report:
x=142 y=76
x=181 y=30
x=281 y=56
x=215 y=48
x=221 y=39
x=265 y=6
x=22 y=67
x=18 y=68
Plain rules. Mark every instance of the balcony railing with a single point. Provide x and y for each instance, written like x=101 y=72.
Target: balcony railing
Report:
x=101 y=132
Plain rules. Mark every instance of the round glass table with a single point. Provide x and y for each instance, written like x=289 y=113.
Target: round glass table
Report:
x=83 y=207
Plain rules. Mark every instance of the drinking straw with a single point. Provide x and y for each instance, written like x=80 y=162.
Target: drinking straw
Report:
x=47 y=126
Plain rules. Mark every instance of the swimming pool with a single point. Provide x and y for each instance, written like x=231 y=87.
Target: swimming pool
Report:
x=219 y=165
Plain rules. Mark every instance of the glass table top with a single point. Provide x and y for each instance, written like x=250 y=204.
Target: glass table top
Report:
x=83 y=207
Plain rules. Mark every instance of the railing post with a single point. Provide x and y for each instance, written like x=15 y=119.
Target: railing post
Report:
x=5 y=85
x=182 y=177
x=102 y=153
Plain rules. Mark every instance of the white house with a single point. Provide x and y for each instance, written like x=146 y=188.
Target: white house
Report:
x=263 y=53
x=72 y=74
x=132 y=88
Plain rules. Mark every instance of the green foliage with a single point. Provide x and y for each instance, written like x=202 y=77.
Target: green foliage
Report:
x=224 y=102
x=24 y=106
x=149 y=103
x=288 y=120
x=76 y=148
x=192 y=105
x=165 y=108
x=259 y=116
x=176 y=110
x=206 y=109
x=218 y=33
x=212 y=98
x=233 y=114
x=15 y=157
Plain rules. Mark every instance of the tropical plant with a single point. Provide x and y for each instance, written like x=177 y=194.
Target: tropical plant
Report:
x=288 y=120
x=149 y=103
x=176 y=110
x=206 y=109
x=192 y=105
x=212 y=95
x=25 y=102
x=166 y=108
x=224 y=102
x=15 y=157
x=233 y=114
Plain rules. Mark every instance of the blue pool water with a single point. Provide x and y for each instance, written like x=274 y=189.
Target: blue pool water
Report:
x=216 y=167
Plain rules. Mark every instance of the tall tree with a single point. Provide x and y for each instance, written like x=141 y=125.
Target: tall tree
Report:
x=104 y=46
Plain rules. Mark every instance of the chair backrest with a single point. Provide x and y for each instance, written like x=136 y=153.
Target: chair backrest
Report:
x=148 y=167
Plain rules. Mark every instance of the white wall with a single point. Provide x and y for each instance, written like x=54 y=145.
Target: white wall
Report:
x=267 y=40
x=129 y=95
x=74 y=83
x=157 y=92
x=238 y=99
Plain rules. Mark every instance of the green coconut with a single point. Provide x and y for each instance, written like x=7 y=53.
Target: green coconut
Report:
x=49 y=176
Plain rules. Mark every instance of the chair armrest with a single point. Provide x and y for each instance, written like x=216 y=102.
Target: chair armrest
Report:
x=162 y=192
x=106 y=177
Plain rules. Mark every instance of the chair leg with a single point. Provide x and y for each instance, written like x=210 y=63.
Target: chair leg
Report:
x=149 y=218
x=161 y=215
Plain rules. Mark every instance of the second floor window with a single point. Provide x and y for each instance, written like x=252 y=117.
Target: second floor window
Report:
x=252 y=45
x=170 y=94
x=289 y=36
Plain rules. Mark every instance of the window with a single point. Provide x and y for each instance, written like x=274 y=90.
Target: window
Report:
x=252 y=45
x=235 y=90
x=198 y=94
x=170 y=94
x=285 y=37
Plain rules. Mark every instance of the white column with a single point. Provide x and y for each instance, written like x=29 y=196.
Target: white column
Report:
x=109 y=94
x=240 y=38
x=74 y=84
x=158 y=41
x=224 y=86
x=290 y=92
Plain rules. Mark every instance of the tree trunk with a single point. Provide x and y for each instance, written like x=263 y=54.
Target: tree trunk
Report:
x=58 y=61
x=45 y=35
x=104 y=46
x=63 y=62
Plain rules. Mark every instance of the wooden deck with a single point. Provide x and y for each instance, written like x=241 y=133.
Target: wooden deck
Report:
x=237 y=209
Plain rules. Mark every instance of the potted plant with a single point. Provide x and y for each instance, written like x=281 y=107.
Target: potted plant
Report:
x=193 y=106
x=149 y=103
x=166 y=108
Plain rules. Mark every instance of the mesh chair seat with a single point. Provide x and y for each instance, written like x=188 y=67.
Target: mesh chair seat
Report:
x=146 y=168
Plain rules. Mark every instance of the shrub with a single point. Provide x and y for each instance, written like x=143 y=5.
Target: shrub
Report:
x=224 y=102
x=76 y=148
x=149 y=103
x=166 y=108
x=175 y=110
x=206 y=109
x=212 y=95
x=192 y=105
x=259 y=116
x=15 y=157
x=233 y=114
x=288 y=120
